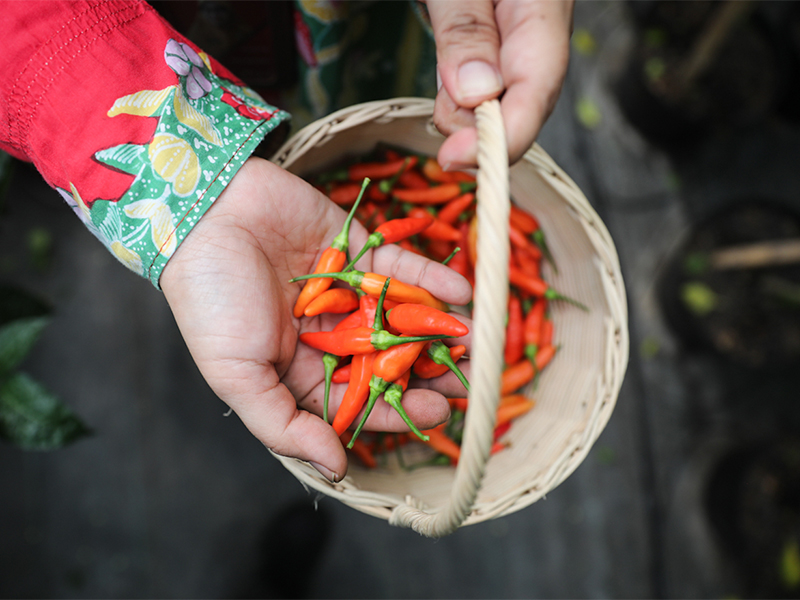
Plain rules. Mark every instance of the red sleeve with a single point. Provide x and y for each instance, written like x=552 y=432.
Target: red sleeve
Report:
x=137 y=128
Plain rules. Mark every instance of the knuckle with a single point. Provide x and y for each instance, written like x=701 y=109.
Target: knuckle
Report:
x=469 y=29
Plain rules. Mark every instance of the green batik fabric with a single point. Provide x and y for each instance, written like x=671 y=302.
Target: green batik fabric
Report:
x=357 y=51
x=207 y=128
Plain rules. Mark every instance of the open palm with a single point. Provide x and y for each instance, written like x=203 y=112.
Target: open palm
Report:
x=228 y=287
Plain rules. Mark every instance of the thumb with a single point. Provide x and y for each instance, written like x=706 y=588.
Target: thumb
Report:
x=269 y=411
x=467 y=49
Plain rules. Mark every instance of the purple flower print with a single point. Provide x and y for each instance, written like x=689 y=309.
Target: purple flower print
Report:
x=182 y=59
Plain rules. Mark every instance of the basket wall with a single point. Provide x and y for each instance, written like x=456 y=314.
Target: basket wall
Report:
x=575 y=394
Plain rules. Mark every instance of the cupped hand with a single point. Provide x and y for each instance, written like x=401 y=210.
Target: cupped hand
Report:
x=516 y=50
x=228 y=288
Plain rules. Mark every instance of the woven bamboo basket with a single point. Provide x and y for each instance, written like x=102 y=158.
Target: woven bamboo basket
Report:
x=575 y=394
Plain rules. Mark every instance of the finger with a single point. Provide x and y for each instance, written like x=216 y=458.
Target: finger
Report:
x=426 y=409
x=440 y=280
x=534 y=59
x=449 y=117
x=270 y=412
x=467 y=49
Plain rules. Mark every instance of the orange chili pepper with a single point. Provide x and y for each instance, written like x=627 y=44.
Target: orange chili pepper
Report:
x=332 y=259
x=437 y=230
x=508 y=411
x=372 y=283
x=439 y=441
x=379 y=170
x=451 y=211
x=522 y=373
x=547 y=332
x=336 y=301
x=433 y=195
x=472 y=241
x=533 y=328
x=538 y=287
x=344 y=193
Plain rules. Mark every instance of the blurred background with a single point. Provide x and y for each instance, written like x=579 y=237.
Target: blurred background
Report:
x=681 y=123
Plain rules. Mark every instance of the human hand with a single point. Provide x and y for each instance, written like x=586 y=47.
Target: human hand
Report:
x=228 y=288
x=514 y=48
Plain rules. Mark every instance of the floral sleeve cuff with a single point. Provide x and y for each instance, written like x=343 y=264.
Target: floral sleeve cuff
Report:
x=206 y=129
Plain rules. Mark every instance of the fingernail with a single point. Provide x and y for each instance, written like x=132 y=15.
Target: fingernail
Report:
x=478 y=79
x=325 y=472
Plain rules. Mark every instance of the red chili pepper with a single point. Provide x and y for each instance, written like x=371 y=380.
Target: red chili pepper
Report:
x=418 y=319
x=501 y=430
x=433 y=195
x=451 y=211
x=547 y=332
x=336 y=301
x=344 y=194
x=518 y=240
x=437 y=230
x=523 y=220
x=379 y=170
x=356 y=393
x=438 y=249
x=459 y=404
x=425 y=368
x=359 y=340
x=410 y=247
x=350 y=321
x=391 y=232
x=372 y=283
x=342 y=374
x=460 y=262
x=439 y=441
x=526 y=263
x=412 y=180
x=515 y=335
x=332 y=259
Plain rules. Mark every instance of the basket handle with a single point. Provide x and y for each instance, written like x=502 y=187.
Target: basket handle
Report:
x=488 y=331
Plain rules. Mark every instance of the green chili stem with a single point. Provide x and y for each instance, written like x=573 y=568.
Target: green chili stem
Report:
x=376 y=386
x=551 y=294
x=393 y=396
x=440 y=354
x=452 y=254
x=341 y=241
x=330 y=362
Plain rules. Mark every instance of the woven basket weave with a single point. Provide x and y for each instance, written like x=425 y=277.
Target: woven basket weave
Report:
x=575 y=394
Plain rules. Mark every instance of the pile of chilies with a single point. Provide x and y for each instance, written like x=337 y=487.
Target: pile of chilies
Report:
x=393 y=331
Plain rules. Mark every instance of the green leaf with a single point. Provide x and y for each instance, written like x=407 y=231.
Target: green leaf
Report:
x=16 y=340
x=33 y=418
x=16 y=304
